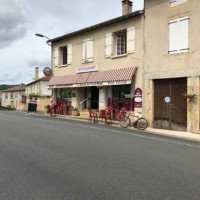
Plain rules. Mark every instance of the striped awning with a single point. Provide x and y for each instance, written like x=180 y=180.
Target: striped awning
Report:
x=109 y=77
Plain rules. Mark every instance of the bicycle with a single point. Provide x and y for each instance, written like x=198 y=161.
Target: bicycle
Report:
x=139 y=123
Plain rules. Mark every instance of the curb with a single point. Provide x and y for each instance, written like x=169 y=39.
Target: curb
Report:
x=116 y=124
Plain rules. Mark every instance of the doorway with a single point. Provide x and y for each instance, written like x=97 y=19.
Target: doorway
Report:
x=94 y=98
x=170 y=113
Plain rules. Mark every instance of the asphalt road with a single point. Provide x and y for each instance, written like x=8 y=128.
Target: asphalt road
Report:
x=50 y=159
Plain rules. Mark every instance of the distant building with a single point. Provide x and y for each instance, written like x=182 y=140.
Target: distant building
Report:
x=13 y=97
x=39 y=86
x=0 y=97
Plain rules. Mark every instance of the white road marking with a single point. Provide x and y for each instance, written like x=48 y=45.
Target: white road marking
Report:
x=103 y=129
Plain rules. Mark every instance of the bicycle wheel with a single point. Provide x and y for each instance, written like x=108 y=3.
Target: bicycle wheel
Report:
x=142 y=123
x=125 y=122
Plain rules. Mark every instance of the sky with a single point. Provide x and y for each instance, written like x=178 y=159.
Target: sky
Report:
x=21 y=51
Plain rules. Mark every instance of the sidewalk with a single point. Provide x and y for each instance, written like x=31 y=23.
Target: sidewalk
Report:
x=175 y=134
x=169 y=133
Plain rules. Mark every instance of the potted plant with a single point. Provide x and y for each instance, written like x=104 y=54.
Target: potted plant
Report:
x=189 y=96
x=75 y=112
x=47 y=109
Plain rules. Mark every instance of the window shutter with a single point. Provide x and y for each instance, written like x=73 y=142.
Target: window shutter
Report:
x=56 y=57
x=182 y=1
x=184 y=34
x=173 y=37
x=69 y=54
x=84 y=51
x=173 y=2
x=108 y=48
x=176 y=2
x=89 y=49
x=131 y=40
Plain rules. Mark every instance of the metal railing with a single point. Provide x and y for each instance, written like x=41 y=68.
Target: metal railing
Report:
x=81 y=103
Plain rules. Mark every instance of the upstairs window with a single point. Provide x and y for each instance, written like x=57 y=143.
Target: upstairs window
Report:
x=87 y=51
x=179 y=35
x=176 y=2
x=63 y=56
x=11 y=95
x=120 y=42
x=6 y=95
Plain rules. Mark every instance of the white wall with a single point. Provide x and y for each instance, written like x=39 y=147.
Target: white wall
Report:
x=40 y=88
x=14 y=102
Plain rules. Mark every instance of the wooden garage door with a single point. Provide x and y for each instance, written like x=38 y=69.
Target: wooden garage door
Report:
x=171 y=115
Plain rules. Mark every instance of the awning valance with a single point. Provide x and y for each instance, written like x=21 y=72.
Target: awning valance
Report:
x=100 y=78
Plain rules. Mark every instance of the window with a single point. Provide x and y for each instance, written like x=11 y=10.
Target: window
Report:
x=176 y=2
x=63 y=55
x=179 y=35
x=23 y=99
x=6 y=95
x=121 y=91
x=16 y=95
x=87 y=51
x=11 y=95
x=122 y=42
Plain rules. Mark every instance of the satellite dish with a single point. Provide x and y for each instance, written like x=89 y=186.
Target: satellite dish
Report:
x=47 y=71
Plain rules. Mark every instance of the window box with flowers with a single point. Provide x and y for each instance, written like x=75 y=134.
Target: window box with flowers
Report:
x=189 y=96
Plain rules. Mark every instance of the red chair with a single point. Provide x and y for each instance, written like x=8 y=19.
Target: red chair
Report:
x=122 y=113
x=53 y=109
x=109 y=112
x=103 y=116
x=92 y=116
x=48 y=109
x=63 y=109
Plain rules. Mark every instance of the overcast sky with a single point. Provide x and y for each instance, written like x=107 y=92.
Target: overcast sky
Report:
x=21 y=51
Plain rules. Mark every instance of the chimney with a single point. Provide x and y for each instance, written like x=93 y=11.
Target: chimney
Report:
x=36 y=73
x=126 y=7
x=22 y=85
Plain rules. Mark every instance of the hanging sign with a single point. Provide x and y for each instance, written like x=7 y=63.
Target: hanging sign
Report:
x=138 y=98
x=47 y=71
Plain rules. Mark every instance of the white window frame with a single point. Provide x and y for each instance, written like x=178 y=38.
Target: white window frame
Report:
x=61 y=55
x=124 y=32
x=58 y=56
x=111 y=43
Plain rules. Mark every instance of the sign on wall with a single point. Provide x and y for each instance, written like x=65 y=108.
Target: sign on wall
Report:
x=84 y=69
x=138 y=98
x=167 y=99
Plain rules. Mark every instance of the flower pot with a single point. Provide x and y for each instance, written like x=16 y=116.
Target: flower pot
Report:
x=189 y=96
x=75 y=113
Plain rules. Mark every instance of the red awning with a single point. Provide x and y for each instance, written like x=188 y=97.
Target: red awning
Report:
x=109 y=77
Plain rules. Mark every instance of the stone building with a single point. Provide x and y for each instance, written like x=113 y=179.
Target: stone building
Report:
x=172 y=49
